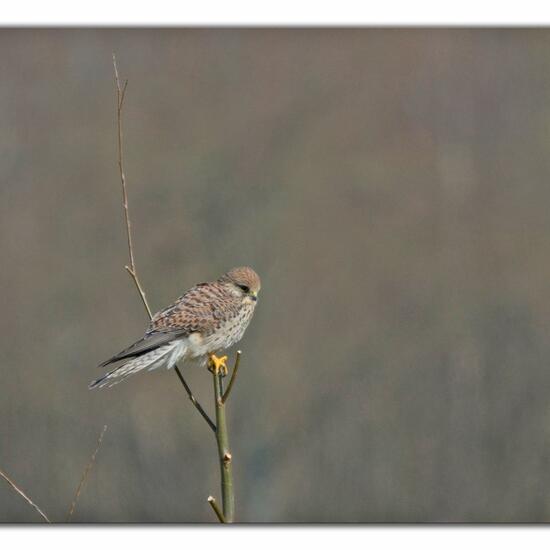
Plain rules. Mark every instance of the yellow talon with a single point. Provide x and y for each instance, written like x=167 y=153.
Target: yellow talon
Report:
x=217 y=365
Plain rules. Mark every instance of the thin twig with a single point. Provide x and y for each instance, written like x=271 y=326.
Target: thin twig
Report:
x=134 y=276
x=123 y=90
x=85 y=474
x=16 y=488
x=216 y=508
x=120 y=92
x=194 y=401
x=233 y=376
x=131 y=269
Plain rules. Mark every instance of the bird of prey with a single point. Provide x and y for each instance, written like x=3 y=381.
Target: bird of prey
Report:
x=207 y=319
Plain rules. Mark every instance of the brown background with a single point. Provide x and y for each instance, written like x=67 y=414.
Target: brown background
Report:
x=392 y=189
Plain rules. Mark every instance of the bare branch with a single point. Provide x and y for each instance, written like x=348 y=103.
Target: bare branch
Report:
x=134 y=276
x=131 y=269
x=85 y=474
x=233 y=376
x=216 y=508
x=117 y=79
x=120 y=91
x=123 y=92
x=29 y=501
x=194 y=401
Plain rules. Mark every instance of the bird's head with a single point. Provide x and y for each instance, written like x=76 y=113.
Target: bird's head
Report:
x=244 y=281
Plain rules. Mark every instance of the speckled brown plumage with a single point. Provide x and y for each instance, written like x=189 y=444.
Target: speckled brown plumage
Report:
x=208 y=318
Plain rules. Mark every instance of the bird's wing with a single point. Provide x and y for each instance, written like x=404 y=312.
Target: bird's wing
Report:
x=149 y=342
x=200 y=309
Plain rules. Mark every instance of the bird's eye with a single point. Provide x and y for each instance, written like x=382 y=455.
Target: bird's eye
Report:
x=244 y=288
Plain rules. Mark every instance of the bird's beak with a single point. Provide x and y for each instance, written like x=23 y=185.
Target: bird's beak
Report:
x=253 y=295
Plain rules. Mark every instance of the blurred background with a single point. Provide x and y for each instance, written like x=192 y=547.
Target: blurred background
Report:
x=390 y=186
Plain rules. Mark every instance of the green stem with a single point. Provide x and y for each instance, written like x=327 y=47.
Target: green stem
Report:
x=224 y=454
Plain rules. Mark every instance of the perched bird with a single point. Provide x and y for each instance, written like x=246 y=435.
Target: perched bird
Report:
x=207 y=319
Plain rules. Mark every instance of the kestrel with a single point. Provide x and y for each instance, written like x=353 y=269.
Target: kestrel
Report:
x=207 y=319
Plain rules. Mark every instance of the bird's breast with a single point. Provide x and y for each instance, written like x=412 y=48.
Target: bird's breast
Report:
x=230 y=330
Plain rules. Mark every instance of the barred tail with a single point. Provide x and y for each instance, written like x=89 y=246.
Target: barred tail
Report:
x=163 y=356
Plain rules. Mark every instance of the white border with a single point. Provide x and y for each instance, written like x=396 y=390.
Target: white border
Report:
x=267 y=538
x=282 y=12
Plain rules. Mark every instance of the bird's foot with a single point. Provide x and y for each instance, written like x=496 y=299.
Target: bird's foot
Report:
x=217 y=365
